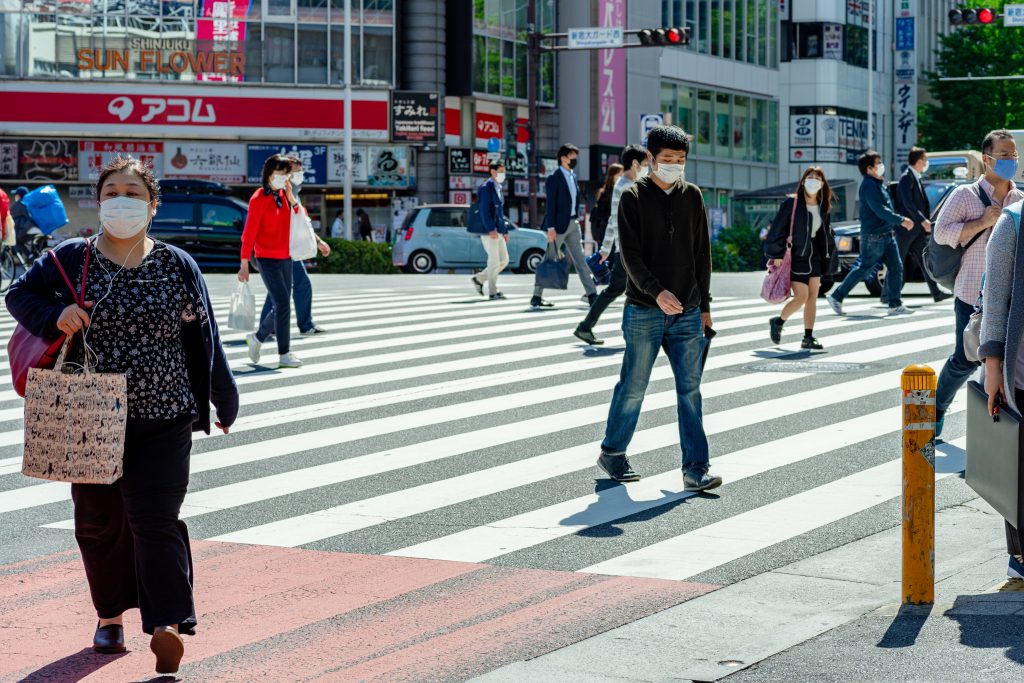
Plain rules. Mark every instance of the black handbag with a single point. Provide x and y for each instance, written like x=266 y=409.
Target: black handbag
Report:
x=995 y=469
x=553 y=271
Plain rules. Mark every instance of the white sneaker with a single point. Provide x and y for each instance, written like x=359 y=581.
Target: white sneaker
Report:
x=254 y=345
x=837 y=306
x=289 y=360
x=316 y=329
x=899 y=310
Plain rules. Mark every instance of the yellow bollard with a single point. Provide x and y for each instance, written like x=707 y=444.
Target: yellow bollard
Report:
x=918 y=384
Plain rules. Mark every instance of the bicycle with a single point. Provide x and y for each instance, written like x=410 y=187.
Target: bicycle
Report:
x=32 y=248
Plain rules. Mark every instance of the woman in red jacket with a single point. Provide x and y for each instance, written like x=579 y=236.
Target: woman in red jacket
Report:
x=267 y=231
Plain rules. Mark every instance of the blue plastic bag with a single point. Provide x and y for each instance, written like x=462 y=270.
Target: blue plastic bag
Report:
x=602 y=273
x=46 y=209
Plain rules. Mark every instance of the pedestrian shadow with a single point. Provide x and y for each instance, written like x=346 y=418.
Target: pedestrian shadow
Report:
x=989 y=621
x=74 y=667
x=782 y=355
x=950 y=459
x=906 y=627
x=602 y=351
x=612 y=494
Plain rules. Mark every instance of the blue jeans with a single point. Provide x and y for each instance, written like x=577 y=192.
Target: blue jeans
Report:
x=957 y=369
x=875 y=249
x=277 y=278
x=682 y=336
x=302 y=294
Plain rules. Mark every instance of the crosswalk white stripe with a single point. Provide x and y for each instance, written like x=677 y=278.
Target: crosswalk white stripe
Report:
x=303 y=529
x=689 y=554
x=569 y=517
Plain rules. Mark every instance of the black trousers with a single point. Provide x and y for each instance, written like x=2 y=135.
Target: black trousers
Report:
x=1014 y=536
x=913 y=242
x=615 y=289
x=135 y=549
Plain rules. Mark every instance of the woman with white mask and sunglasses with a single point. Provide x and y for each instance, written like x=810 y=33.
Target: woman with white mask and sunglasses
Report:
x=147 y=315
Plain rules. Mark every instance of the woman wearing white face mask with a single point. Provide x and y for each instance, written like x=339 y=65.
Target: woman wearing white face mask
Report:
x=807 y=216
x=148 y=316
x=302 y=288
x=267 y=233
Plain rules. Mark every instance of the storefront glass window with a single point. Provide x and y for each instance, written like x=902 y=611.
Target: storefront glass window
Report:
x=723 y=127
x=740 y=121
x=704 y=122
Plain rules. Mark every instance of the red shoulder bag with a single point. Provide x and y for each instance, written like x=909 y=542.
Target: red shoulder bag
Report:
x=25 y=350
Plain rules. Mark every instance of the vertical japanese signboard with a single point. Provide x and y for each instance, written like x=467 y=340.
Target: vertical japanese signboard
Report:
x=905 y=81
x=415 y=116
x=611 y=79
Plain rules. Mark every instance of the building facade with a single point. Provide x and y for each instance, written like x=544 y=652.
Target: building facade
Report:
x=200 y=89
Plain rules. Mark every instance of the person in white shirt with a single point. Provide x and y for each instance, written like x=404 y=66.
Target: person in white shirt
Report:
x=634 y=160
x=338 y=227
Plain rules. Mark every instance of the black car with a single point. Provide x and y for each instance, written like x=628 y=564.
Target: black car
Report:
x=848 y=240
x=202 y=218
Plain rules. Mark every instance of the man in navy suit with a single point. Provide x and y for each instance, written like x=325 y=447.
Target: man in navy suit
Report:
x=493 y=230
x=561 y=218
x=913 y=202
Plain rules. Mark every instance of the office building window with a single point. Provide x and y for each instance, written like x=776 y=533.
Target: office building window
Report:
x=722 y=124
x=499 y=48
x=704 y=104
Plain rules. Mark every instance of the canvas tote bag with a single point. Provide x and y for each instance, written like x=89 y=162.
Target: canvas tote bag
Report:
x=75 y=423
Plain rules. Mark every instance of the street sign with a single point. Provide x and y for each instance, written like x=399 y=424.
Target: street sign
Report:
x=414 y=116
x=460 y=160
x=648 y=123
x=1013 y=15
x=595 y=37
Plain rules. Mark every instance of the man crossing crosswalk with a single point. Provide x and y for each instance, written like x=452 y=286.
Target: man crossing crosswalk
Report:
x=400 y=444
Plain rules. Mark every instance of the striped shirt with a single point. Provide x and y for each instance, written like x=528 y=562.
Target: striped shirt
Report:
x=964 y=206
x=611 y=232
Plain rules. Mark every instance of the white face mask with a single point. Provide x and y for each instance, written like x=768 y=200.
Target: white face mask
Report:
x=298 y=178
x=124 y=217
x=880 y=170
x=812 y=186
x=499 y=178
x=642 y=172
x=670 y=173
x=277 y=181
x=925 y=169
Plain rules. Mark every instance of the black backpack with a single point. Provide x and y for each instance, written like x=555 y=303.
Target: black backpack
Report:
x=942 y=261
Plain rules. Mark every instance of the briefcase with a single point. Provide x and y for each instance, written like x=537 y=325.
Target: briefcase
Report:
x=994 y=466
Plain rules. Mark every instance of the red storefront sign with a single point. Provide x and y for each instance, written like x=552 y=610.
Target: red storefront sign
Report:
x=193 y=112
x=481 y=164
x=452 y=122
x=488 y=126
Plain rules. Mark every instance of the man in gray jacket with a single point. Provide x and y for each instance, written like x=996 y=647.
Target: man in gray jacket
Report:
x=634 y=160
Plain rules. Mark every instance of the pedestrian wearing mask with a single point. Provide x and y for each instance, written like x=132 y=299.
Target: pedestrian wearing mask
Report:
x=634 y=159
x=878 y=245
x=1002 y=329
x=813 y=250
x=147 y=314
x=302 y=288
x=665 y=245
x=603 y=203
x=561 y=218
x=493 y=231
x=966 y=219
x=913 y=202
x=267 y=233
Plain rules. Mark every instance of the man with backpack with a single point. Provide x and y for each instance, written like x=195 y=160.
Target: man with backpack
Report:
x=966 y=221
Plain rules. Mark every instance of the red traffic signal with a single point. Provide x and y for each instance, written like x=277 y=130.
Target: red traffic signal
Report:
x=972 y=17
x=673 y=35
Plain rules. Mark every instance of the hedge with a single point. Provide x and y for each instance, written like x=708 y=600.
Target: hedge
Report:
x=359 y=258
x=736 y=249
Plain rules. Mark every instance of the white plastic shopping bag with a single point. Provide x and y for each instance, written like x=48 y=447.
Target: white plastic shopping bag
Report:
x=302 y=242
x=242 y=314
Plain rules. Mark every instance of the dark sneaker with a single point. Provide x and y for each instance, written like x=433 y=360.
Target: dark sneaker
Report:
x=940 y=422
x=775 y=329
x=700 y=481
x=537 y=302
x=811 y=343
x=587 y=336
x=617 y=467
x=477 y=285
x=497 y=296
x=942 y=296
x=1015 y=570
x=313 y=331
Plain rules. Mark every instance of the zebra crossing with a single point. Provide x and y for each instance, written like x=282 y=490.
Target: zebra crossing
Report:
x=429 y=424
x=425 y=486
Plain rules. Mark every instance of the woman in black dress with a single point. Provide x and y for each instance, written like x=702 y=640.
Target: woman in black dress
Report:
x=813 y=250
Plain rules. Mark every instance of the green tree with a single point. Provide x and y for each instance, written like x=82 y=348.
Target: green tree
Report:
x=965 y=110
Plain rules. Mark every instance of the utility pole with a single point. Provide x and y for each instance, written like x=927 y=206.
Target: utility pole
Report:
x=347 y=111
x=871 y=73
x=532 y=83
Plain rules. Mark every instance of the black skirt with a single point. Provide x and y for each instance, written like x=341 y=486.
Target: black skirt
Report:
x=814 y=263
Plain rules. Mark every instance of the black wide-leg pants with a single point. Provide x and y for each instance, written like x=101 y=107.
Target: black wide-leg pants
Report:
x=135 y=549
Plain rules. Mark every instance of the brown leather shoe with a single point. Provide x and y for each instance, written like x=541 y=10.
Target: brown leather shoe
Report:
x=169 y=648
x=109 y=640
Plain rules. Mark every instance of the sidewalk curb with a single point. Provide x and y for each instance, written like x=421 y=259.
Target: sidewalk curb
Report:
x=726 y=631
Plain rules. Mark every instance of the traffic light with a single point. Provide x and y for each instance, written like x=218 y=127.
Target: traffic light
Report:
x=672 y=35
x=980 y=16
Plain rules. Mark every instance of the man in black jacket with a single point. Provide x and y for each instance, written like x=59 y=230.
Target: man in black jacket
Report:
x=913 y=203
x=665 y=245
